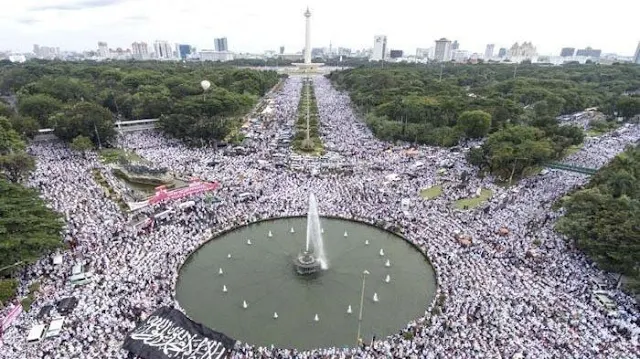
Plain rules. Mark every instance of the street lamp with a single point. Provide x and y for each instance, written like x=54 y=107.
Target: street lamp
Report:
x=364 y=277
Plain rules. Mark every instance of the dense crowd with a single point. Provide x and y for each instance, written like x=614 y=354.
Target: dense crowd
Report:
x=515 y=290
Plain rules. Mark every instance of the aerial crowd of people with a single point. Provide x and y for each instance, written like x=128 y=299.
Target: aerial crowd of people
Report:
x=514 y=288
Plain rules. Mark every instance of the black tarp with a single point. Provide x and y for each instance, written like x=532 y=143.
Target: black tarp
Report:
x=169 y=334
x=67 y=305
x=44 y=311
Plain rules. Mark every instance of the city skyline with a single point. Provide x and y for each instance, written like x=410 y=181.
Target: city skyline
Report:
x=78 y=25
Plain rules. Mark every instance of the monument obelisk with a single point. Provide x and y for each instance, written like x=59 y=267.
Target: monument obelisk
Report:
x=307 y=65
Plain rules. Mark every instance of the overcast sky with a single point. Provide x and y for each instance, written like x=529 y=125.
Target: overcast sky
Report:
x=258 y=25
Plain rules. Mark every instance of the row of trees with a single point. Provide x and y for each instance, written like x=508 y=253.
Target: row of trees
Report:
x=28 y=228
x=443 y=105
x=604 y=217
x=85 y=98
x=307 y=101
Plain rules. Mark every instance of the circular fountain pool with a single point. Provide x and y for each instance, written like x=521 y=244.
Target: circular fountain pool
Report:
x=288 y=310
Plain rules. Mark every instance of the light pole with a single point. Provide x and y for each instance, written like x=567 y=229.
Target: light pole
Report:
x=364 y=277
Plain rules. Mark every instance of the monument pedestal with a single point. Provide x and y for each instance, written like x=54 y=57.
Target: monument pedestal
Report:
x=311 y=67
x=306 y=264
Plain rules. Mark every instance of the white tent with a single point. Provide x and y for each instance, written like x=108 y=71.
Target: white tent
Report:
x=55 y=327
x=35 y=333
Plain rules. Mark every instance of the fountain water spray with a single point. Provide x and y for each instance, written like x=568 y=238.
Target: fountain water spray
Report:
x=275 y=315
x=387 y=279
x=387 y=263
x=244 y=304
x=375 y=297
x=314 y=233
x=220 y=272
x=224 y=289
x=349 y=311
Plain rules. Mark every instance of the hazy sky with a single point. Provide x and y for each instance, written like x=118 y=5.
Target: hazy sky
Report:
x=255 y=25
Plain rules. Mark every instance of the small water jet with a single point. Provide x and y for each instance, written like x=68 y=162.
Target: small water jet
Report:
x=349 y=311
x=346 y=234
x=275 y=315
x=248 y=242
x=292 y=230
x=387 y=279
x=229 y=256
x=381 y=252
x=316 y=318
x=387 y=263
x=321 y=230
x=244 y=304
x=375 y=297
x=270 y=234
x=220 y=272
x=224 y=289
x=366 y=242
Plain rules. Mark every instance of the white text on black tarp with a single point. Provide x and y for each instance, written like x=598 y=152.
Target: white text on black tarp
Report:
x=176 y=342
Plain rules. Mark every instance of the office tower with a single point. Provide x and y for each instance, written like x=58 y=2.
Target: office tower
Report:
x=455 y=45
x=379 y=47
x=395 y=54
x=636 y=58
x=36 y=50
x=221 y=44
x=281 y=50
x=488 y=52
x=103 y=50
x=502 y=52
x=162 y=50
x=140 y=50
x=443 y=50
x=526 y=50
x=589 y=52
x=183 y=51
x=567 y=51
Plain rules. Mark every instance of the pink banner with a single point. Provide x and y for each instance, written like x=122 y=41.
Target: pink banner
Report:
x=195 y=187
x=11 y=317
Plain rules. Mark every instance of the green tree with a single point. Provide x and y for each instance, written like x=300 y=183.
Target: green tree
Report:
x=81 y=144
x=628 y=106
x=86 y=119
x=39 y=107
x=475 y=124
x=17 y=165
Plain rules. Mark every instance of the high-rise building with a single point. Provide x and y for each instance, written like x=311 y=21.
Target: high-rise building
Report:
x=524 y=51
x=36 y=50
x=567 y=51
x=488 y=52
x=103 y=50
x=183 y=50
x=221 y=44
x=395 y=54
x=379 y=47
x=455 y=45
x=281 y=50
x=443 y=50
x=162 y=50
x=589 y=52
x=636 y=57
x=140 y=50
x=422 y=53
x=502 y=52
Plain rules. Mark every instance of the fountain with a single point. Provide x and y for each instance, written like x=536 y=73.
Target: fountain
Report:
x=244 y=304
x=224 y=289
x=321 y=230
x=312 y=258
x=387 y=279
x=366 y=242
x=292 y=230
x=381 y=252
x=275 y=315
x=229 y=256
x=387 y=263
x=316 y=318
x=349 y=311
x=220 y=272
x=270 y=234
x=248 y=242
x=346 y=234
x=375 y=297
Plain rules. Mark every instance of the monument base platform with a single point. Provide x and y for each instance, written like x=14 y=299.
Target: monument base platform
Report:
x=306 y=264
x=307 y=67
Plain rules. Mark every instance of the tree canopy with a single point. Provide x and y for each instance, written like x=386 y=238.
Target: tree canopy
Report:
x=75 y=98
x=604 y=217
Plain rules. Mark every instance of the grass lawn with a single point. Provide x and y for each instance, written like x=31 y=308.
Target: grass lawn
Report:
x=573 y=149
x=431 y=192
x=111 y=155
x=473 y=202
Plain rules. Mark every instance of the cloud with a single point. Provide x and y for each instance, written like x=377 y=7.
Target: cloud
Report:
x=77 y=5
x=136 y=18
x=27 y=21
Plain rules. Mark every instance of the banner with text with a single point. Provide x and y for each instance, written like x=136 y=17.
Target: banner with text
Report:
x=169 y=334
